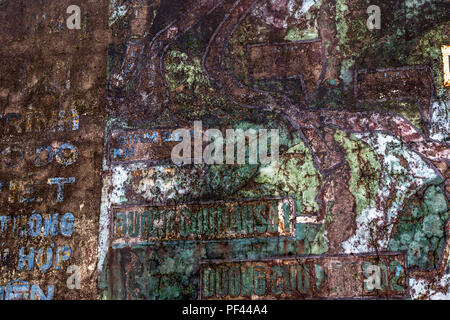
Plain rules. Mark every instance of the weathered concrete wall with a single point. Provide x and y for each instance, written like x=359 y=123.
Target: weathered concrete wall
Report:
x=52 y=83
x=356 y=206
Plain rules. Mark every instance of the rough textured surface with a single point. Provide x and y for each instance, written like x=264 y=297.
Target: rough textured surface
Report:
x=362 y=181
x=51 y=87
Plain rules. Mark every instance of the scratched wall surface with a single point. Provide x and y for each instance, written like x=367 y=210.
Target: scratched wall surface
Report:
x=51 y=111
x=357 y=205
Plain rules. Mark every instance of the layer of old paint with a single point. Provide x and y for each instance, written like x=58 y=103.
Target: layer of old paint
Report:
x=88 y=183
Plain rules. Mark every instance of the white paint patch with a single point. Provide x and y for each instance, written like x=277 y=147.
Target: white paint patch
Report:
x=397 y=182
x=152 y=183
x=270 y=170
x=159 y=182
x=119 y=175
x=306 y=5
